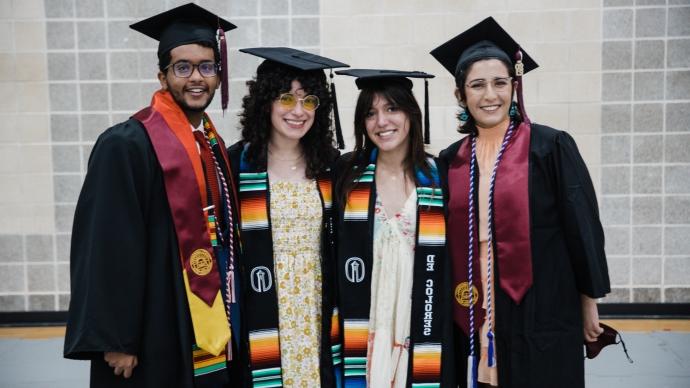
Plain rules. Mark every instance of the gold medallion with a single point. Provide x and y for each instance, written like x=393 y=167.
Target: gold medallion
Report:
x=201 y=262
x=462 y=294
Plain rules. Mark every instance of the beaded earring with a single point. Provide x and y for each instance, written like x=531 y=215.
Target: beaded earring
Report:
x=513 y=110
x=463 y=115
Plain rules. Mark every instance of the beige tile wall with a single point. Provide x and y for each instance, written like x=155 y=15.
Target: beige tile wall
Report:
x=71 y=68
x=564 y=92
x=26 y=205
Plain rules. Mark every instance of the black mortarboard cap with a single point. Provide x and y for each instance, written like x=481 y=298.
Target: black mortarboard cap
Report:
x=302 y=60
x=486 y=39
x=366 y=78
x=298 y=59
x=182 y=25
x=369 y=77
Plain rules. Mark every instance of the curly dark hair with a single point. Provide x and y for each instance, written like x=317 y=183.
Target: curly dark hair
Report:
x=400 y=95
x=272 y=79
x=461 y=77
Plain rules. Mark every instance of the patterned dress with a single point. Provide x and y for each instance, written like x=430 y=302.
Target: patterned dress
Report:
x=296 y=219
x=391 y=295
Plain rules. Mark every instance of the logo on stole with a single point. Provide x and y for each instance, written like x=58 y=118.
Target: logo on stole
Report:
x=261 y=279
x=462 y=294
x=201 y=262
x=354 y=269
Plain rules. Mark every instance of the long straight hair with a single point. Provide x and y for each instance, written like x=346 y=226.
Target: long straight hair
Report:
x=400 y=95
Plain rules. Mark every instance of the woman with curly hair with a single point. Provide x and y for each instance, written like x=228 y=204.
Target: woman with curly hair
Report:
x=283 y=165
x=391 y=243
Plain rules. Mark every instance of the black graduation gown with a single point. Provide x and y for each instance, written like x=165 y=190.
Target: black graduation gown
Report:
x=540 y=341
x=126 y=279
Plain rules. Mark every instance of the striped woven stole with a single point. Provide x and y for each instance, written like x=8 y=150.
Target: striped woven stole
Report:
x=259 y=283
x=355 y=255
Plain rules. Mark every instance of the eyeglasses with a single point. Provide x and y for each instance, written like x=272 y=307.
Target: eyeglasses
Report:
x=289 y=101
x=184 y=69
x=499 y=84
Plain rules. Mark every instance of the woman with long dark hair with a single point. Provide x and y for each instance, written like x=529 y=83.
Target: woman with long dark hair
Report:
x=525 y=238
x=391 y=242
x=283 y=165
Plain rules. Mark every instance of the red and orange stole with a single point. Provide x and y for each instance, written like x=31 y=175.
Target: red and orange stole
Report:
x=176 y=150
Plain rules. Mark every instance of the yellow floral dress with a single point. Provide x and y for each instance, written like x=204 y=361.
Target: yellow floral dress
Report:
x=296 y=220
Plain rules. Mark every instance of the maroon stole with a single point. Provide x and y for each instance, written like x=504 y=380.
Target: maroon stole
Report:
x=178 y=156
x=511 y=219
x=183 y=175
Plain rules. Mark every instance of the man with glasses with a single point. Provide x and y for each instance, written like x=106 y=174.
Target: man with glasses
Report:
x=153 y=242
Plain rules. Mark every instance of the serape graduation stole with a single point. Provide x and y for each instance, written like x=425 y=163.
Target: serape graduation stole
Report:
x=175 y=147
x=260 y=290
x=355 y=262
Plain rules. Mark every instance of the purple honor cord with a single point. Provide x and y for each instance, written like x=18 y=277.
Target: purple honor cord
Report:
x=489 y=302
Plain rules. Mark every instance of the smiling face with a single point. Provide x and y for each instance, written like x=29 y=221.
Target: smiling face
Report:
x=195 y=93
x=388 y=127
x=488 y=92
x=291 y=123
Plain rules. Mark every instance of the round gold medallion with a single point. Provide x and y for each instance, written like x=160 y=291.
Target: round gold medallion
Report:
x=201 y=262
x=462 y=294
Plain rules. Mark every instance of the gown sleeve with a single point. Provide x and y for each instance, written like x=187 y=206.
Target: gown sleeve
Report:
x=108 y=252
x=580 y=216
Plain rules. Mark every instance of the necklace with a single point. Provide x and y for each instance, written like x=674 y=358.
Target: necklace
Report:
x=293 y=161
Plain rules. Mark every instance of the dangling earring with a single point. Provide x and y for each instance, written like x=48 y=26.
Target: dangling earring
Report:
x=463 y=115
x=513 y=110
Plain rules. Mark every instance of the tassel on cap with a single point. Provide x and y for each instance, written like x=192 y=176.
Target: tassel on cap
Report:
x=427 y=131
x=519 y=72
x=336 y=116
x=224 y=96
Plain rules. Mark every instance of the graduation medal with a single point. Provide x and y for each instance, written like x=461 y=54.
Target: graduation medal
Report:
x=462 y=294
x=201 y=262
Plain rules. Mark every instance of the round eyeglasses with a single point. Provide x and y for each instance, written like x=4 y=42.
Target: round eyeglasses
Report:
x=184 y=69
x=289 y=101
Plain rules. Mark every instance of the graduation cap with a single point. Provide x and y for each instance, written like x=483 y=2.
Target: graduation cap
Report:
x=304 y=61
x=298 y=59
x=486 y=39
x=189 y=24
x=368 y=78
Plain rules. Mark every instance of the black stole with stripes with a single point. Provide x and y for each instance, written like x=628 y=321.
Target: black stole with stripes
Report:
x=259 y=285
x=355 y=262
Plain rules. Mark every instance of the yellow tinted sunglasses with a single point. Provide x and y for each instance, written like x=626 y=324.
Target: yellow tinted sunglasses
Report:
x=289 y=101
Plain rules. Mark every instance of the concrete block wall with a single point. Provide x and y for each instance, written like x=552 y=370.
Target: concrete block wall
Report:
x=614 y=73
x=645 y=148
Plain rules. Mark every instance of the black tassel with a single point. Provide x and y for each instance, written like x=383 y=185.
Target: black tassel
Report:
x=427 y=131
x=336 y=117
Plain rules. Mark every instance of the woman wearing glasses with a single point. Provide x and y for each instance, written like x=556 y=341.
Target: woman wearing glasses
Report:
x=282 y=165
x=391 y=243
x=528 y=246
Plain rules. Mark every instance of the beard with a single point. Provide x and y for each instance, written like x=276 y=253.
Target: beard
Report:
x=178 y=96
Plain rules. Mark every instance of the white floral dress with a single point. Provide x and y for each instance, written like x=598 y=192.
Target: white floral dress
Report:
x=296 y=220
x=391 y=295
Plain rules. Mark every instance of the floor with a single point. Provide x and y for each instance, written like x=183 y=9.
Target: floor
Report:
x=32 y=357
